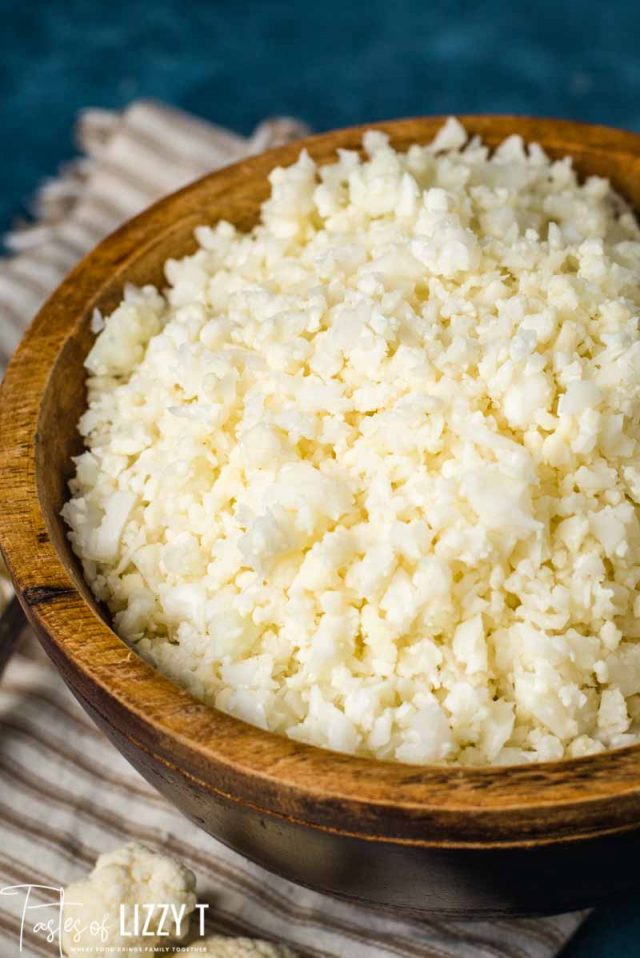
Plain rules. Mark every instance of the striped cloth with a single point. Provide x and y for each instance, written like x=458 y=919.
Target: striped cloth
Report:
x=66 y=795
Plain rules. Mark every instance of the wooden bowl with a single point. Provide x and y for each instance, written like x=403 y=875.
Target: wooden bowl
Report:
x=527 y=839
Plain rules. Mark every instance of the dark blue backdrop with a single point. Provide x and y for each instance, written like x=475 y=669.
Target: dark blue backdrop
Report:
x=330 y=63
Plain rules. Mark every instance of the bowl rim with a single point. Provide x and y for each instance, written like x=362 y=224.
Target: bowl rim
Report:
x=435 y=806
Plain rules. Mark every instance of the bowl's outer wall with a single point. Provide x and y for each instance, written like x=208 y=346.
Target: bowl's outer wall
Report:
x=409 y=879
x=420 y=838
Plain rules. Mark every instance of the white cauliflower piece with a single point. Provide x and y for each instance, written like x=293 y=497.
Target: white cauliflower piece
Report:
x=132 y=875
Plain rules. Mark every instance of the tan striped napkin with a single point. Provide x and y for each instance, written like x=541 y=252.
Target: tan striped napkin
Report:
x=66 y=795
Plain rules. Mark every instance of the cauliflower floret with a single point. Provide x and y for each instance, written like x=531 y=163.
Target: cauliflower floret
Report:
x=132 y=875
x=136 y=875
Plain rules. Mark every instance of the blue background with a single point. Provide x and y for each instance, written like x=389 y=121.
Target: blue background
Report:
x=332 y=64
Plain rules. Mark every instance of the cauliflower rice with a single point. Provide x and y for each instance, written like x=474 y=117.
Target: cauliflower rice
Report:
x=369 y=475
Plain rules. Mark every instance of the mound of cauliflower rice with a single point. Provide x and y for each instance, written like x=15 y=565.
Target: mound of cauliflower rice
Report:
x=369 y=474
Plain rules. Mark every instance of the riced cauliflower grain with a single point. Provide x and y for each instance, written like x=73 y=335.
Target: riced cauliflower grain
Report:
x=368 y=475
x=129 y=876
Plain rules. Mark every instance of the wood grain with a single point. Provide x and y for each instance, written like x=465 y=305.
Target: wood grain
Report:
x=207 y=761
